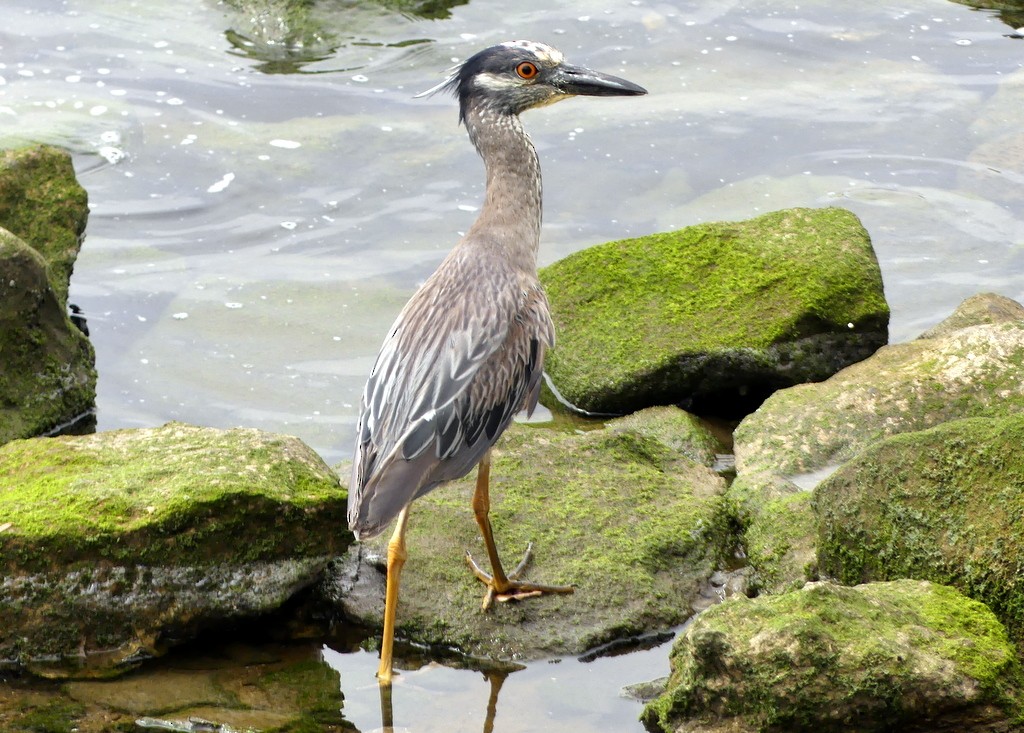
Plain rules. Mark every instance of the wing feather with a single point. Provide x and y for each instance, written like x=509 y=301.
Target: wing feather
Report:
x=453 y=371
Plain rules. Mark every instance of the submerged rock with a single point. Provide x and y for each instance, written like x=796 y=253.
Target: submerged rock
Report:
x=281 y=688
x=47 y=365
x=622 y=515
x=715 y=316
x=943 y=504
x=906 y=655
x=115 y=546
x=972 y=365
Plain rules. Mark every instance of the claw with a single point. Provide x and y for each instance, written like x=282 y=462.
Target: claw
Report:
x=512 y=589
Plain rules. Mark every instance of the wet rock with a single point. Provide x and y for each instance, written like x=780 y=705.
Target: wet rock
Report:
x=48 y=374
x=42 y=203
x=629 y=520
x=116 y=546
x=906 y=655
x=962 y=370
x=779 y=530
x=715 y=316
x=284 y=688
x=941 y=504
x=675 y=428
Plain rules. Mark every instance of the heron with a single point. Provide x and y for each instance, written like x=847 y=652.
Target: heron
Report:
x=466 y=353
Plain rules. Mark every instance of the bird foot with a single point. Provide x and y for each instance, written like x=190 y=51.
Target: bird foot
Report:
x=507 y=587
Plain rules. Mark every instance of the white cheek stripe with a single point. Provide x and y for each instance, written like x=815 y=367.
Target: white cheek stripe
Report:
x=494 y=82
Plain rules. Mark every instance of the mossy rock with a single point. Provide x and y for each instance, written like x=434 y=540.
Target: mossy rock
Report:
x=42 y=202
x=116 y=545
x=715 y=316
x=48 y=375
x=779 y=531
x=676 y=429
x=632 y=523
x=943 y=504
x=280 y=688
x=907 y=655
x=961 y=371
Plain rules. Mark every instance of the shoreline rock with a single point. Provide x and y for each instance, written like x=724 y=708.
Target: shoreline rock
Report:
x=715 y=317
x=118 y=545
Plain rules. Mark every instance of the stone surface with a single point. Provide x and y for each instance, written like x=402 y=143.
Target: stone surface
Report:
x=943 y=504
x=47 y=372
x=716 y=316
x=281 y=688
x=115 y=546
x=906 y=655
x=634 y=524
x=779 y=531
x=42 y=203
x=963 y=371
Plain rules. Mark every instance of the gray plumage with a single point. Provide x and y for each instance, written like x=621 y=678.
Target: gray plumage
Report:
x=466 y=353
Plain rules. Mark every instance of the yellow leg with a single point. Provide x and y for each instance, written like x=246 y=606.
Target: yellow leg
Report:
x=499 y=585
x=396 y=559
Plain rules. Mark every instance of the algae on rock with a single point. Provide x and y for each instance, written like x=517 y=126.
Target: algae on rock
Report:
x=715 y=316
x=42 y=203
x=906 y=655
x=971 y=365
x=630 y=521
x=943 y=504
x=47 y=373
x=119 y=544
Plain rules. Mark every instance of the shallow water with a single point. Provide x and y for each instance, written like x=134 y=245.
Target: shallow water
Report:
x=261 y=209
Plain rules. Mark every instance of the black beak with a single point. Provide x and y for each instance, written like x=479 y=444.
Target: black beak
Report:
x=590 y=83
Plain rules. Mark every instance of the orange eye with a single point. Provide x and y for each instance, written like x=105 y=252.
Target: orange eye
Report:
x=527 y=70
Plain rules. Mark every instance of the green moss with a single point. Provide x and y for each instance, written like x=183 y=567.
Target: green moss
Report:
x=42 y=202
x=944 y=504
x=877 y=657
x=631 y=309
x=48 y=374
x=176 y=494
x=632 y=523
x=57 y=715
x=962 y=371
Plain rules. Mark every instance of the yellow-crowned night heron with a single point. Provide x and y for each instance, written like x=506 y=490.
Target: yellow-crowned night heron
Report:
x=467 y=351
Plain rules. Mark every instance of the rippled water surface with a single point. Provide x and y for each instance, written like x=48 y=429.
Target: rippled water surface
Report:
x=266 y=192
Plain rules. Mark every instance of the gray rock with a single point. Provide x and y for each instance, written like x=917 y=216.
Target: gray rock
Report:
x=629 y=520
x=906 y=655
x=715 y=317
x=942 y=504
x=971 y=366
x=48 y=374
x=119 y=545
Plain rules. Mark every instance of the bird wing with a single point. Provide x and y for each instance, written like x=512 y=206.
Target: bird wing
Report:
x=455 y=368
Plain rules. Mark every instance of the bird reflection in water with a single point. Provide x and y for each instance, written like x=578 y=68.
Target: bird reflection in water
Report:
x=495 y=677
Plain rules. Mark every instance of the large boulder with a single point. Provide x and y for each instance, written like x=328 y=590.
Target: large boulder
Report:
x=620 y=513
x=42 y=203
x=115 y=546
x=968 y=364
x=943 y=504
x=715 y=316
x=47 y=372
x=907 y=655
x=971 y=365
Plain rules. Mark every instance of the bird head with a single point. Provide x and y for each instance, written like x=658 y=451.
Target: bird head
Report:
x=515 y=76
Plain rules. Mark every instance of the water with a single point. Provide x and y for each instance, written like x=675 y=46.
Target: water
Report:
x=264 y=200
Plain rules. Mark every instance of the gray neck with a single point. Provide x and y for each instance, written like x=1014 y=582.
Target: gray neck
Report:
x=511 y=214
